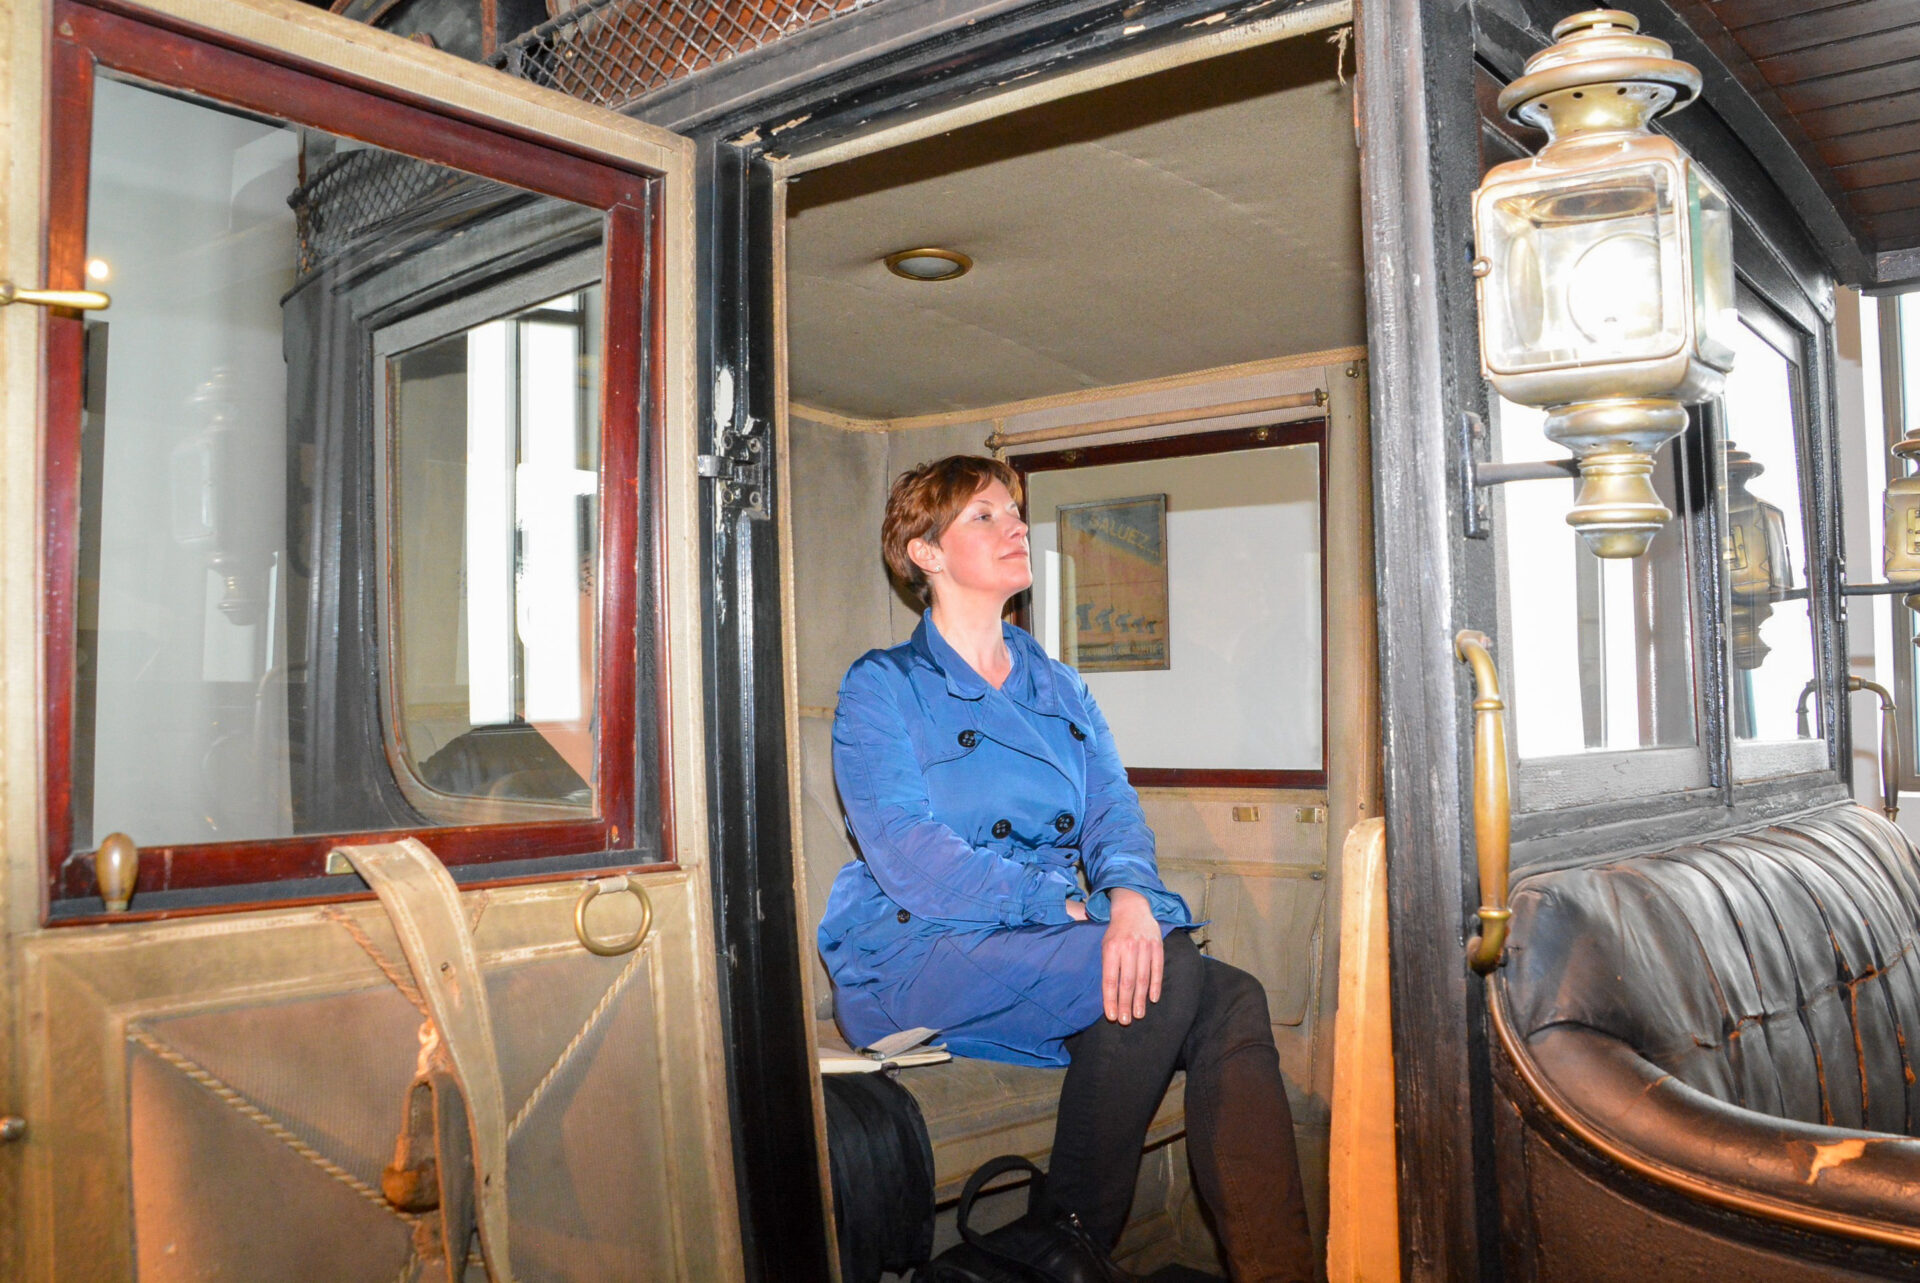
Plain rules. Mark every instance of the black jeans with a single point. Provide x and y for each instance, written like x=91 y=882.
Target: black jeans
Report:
x=1212 y=1021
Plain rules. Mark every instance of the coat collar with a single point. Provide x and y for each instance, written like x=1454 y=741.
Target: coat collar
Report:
x=1031 y=683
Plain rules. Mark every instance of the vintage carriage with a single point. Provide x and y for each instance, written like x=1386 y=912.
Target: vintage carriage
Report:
x=441 y=485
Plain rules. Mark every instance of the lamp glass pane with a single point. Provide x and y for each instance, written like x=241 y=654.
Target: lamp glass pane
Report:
x=1585 y=270
x=1716 y=320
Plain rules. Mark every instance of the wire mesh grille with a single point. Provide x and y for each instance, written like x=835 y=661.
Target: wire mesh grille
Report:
x=612 y=52
x=359 y=191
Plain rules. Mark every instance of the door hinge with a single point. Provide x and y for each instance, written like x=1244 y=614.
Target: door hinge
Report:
x=739 y=466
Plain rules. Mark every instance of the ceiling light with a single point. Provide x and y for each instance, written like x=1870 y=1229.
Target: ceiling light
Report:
x=929 y=264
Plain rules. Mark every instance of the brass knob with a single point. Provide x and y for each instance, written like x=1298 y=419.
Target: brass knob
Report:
x=116 y=867
x=84 y=300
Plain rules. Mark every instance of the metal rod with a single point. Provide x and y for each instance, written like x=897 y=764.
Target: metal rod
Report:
x=1498 y=474
x=1159 y=418
x=1849 y=590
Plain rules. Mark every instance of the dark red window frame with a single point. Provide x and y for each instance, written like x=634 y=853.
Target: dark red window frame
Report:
x=1299 y=432
x=87 y=37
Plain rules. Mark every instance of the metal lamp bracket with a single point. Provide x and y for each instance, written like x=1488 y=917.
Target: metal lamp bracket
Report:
x=1478 y=471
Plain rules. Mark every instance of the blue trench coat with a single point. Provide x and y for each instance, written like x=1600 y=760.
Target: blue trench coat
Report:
x=970 y=807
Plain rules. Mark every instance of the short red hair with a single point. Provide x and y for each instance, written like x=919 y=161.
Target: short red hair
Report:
x=923 y=503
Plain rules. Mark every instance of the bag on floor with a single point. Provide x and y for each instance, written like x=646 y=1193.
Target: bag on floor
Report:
x=1044 y=1246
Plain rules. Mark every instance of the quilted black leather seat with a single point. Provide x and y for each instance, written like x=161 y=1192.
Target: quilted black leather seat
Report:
x=1739 y=1018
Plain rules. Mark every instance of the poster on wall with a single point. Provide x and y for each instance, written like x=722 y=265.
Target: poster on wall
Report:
x=1113 y=584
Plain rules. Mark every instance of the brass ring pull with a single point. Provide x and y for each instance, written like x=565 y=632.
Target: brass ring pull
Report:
x=621 y=944
x=1492 y=801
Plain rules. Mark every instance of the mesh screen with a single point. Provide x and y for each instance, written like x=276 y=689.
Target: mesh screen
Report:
x=612 y=52
x=357 y=192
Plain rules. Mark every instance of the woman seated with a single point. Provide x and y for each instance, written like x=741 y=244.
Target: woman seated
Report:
x=977 y=774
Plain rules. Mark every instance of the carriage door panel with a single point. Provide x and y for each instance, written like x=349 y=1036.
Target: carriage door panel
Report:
x=358 y=527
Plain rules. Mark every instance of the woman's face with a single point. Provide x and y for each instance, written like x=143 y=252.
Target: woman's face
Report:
x=983 y=552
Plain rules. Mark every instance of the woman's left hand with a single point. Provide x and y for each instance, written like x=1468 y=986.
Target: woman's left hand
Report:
x=1131 y=957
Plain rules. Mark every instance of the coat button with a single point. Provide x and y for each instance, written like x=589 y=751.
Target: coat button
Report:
x=1063 y=822
x=1002 y=827
x=904 y=916
x=969 y=738
x=1077 y=732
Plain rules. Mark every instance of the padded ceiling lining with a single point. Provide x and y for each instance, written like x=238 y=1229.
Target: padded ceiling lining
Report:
x=1199 y=217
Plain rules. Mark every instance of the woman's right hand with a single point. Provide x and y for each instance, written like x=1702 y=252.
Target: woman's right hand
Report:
x=1132 y=957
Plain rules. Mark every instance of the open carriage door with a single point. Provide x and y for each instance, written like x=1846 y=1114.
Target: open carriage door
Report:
x=348 y=534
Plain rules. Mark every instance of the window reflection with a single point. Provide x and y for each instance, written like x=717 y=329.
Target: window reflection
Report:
x=495 y=438
x=1770 y=628
x=1601 y=657
x=182 y=647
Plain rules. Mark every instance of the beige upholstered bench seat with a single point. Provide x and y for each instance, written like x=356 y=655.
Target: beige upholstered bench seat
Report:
x=979 y=1109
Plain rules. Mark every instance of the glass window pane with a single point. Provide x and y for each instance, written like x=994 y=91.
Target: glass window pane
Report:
x=1187 y=592
x=1771 y=631
x=495 y=442
x=1601 y=656
x=243 y=256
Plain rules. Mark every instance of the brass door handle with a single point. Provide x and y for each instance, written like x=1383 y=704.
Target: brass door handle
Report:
x=1492 y=801
x=1889 y=744
x=84 y=300
x=1889 y=736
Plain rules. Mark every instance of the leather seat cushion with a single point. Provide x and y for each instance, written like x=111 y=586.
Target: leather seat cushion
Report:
x=1774 y=971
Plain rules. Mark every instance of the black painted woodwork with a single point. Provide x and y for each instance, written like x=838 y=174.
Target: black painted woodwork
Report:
x=1419 y=160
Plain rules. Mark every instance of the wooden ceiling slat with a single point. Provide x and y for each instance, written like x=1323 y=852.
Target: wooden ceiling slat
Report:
x=1842 y=56
x=1878 y=172
x=1736 y=14
x=1884 y=200
x=1851 y=149
x=1855 y=117
x=1811 y=30
x=1898 y=230
x=1837 y=91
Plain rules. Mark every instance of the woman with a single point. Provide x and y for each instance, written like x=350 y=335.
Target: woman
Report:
x=976 y=774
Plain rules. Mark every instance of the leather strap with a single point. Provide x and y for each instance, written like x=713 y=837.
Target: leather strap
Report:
x=995 y=1167
x=424 y=905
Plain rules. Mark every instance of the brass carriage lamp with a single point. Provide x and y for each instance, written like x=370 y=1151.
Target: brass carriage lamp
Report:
x=1605 y=268
x=1900 y=556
